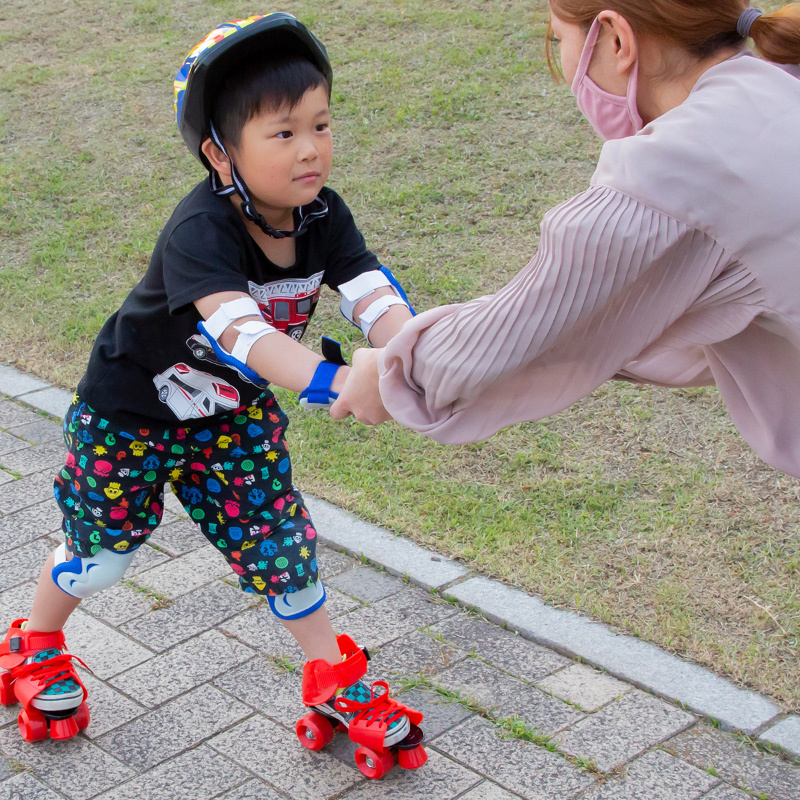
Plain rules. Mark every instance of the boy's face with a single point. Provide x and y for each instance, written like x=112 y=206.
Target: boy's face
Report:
x=285 y=156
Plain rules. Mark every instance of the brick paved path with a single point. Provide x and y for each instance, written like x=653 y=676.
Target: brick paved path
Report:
x=196 y=686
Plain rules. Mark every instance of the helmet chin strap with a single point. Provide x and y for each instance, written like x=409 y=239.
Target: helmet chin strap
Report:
x=303 y=216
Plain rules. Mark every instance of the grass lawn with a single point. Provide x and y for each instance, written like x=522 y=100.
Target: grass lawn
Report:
x=640 y=507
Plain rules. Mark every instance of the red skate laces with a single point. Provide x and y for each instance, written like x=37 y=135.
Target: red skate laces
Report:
x=44 y=674
x=374 y=716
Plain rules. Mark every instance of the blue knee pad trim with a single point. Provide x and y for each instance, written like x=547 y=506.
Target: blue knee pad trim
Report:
x=295 y=605
x=83 y=577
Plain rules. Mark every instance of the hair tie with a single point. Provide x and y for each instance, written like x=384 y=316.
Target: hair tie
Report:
x=749 y=16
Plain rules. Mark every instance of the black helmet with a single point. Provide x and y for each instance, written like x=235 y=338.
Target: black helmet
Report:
x=210 y=61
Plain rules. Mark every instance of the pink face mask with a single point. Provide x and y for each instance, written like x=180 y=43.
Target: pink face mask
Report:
x=612 y=116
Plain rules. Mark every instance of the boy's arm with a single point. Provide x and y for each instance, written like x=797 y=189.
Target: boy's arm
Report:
x=276 y=357
x=389 y=323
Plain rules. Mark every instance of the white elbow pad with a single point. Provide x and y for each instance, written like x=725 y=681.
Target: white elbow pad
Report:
x=375 y=310
x=357 y=289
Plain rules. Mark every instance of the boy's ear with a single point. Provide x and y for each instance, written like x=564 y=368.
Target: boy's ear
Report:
x=218 y=160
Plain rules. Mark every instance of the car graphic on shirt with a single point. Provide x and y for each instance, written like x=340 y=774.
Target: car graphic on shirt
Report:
x=192 y=394
x=203 y=351
x=288 y=304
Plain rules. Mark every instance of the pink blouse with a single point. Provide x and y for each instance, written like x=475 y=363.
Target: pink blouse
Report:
x=679 y=266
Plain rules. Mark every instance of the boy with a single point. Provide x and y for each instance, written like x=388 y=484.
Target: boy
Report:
x=176 y=387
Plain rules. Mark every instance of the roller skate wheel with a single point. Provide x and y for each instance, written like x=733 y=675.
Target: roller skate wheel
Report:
x=314 y=731
x=61 y=729
x=82 y=716
x=373 y=764
x=32 y=727
x=7 y=696
x=412 y=759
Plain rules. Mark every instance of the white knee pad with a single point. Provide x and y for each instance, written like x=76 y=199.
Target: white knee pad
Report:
x=82 y=577
x=294 y=605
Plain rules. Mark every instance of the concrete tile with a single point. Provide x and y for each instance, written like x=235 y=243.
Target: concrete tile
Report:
x=118 y=605
x=25 y=492
x=11 y=444
x=24 y=564
x=174 y=727
x=786 y=735
x=31 y=523
x=199 y=774
x=737 y=763
x=274 y=754
x=623 y=729
x=504 y=649
x=488 y=791
x=393 y=618
x=441 y=713
x=146 y=558
x=12 y=414
x=181 y=668
x=338 y=603
x=439 y=779
x=252 y=790
x=173 y=505
x=655 y=775
x=14 y=383
x=52 y=401
x=507 y=697
x=187 y=615
x=15 y=604
x=108 y=708
x=366 y=584
x=5 y=770
x=105 y=650
x=186 y=573
x=332 y=562
x=5 y=477
x=518 y=766
x=585 y=687
x=36 y=458
x=260 y=629
x=274 y=692
x=178 y=538
x=416 y=655
x=75 y=768
x=38 y=432
x=24 y=786
x=726 y=792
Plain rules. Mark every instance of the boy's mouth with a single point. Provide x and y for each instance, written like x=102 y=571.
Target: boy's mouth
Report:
x=309 y=177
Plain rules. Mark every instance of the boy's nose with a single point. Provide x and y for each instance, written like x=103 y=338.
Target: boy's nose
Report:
x=308 y=150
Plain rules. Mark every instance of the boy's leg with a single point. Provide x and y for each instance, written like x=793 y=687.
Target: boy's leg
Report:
x=51 y=605
x=315 y=635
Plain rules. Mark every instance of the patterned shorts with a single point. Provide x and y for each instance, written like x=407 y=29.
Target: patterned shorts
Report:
x=233 y=476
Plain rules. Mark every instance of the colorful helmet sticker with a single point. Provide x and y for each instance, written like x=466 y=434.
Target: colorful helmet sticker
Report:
x=216 y=36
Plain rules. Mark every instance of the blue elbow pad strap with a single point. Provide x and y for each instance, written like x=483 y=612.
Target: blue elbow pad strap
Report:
x=294 y=605
x=228 y=360
x=398 y=288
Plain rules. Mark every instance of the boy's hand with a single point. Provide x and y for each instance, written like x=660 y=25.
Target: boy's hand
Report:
x=360 y=395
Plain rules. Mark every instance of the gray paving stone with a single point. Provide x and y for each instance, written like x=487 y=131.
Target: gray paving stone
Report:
x=5 y=477
x=655 y=774
x=186 y=573
x=274 y=754
x=725 y=792
x=29 y=524
x=332 y=562
x=146 y=558
x=366 y=584
x=24 y=564
x=181 y=668
x=25 y=492
x=172 y=504
x=584 y=686
x=399 y=556
x=35 y=458
x=199 y=774
x=274 y=692
x=12 y=413
x=108 y=708
x=75 y=768
x=14 y=383
x=737 y=763
x=439 y=779
x=15 y=604
x=504 y=649
x=518 y=766
x=260 y=629
x=117 y=605
x=105 y=650
x=786 y=735
x=38 y=432
x=52 y=401
x=416 y=655
x=507 y=697
x=174 y=727
x=187 y=616
x=393 y=618
x=623 y=656
x=10 y=444
x=179 y=537
x=252 y=790
x=623 y=729
x=488 y=791
x=441 y=713
x=24 y=786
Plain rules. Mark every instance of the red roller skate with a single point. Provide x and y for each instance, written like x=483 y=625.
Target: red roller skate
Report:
x=35 y=671
x=382 y=727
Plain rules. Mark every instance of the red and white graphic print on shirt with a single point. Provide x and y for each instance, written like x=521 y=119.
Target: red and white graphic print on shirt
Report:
x=288 y=304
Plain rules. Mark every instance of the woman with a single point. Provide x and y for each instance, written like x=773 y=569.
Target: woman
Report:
x=679 y=266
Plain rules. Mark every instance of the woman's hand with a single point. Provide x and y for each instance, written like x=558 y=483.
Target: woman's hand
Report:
x=361 y=396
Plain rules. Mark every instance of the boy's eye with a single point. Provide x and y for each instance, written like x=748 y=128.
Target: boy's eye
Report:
x=323 y=126
x=284 y=135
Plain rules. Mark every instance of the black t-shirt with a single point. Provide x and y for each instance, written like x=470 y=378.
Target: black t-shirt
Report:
x=150 y=363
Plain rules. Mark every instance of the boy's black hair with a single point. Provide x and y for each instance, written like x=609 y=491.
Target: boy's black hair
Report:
x=262 y=83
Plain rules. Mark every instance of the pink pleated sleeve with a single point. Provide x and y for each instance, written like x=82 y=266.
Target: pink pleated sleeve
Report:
x=615 y=289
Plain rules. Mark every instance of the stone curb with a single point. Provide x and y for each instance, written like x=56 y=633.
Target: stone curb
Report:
x=577 y=637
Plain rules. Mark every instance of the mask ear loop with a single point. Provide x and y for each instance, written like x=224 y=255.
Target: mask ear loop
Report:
x=303 y=216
